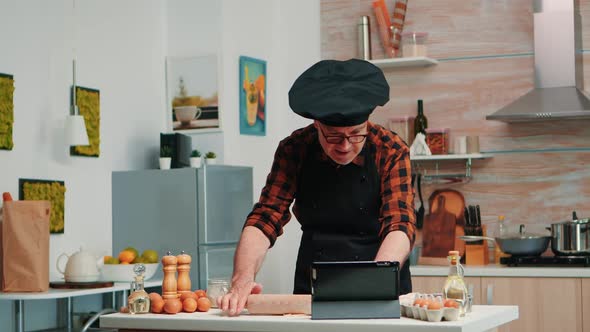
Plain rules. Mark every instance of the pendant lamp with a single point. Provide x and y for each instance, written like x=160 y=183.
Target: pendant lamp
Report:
x=75 y=127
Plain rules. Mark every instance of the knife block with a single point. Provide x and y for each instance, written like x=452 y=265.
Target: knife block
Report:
x=477 y=254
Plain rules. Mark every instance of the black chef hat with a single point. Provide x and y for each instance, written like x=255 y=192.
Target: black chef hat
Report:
x=339 y=93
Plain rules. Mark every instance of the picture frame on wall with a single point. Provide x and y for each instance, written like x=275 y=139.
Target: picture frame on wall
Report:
x=53 y=191
x=192 y=94
x=88 y=101
x=252 y=87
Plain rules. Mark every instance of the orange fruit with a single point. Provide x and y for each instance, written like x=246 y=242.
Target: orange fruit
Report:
x=203 y=304
x=189 y=304
x=155 y=296
x=126 y=256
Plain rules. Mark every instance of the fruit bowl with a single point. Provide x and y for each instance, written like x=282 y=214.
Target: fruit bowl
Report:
x=124 y=272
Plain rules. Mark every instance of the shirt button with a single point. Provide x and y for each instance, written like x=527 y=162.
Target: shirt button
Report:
x=363 y=178
x=356 y=258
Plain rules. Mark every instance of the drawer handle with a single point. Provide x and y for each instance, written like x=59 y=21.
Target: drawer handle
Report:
x=490 y=295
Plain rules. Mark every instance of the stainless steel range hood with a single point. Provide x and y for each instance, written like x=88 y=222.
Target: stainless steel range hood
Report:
x=558 y=92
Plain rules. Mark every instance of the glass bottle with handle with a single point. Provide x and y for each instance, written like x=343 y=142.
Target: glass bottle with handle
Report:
x=455 y=288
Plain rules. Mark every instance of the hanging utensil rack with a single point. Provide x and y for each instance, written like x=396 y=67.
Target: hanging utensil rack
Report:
x=436 y=176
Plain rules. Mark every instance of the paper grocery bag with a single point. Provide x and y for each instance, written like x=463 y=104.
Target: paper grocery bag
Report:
x=25 y=246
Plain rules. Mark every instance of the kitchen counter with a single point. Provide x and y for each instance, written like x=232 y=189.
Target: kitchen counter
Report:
x=504 y=271
x=482 y=318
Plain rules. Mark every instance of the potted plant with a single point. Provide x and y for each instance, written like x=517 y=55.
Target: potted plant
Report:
x=210 y=158
x=165 y=157
x=195 y=159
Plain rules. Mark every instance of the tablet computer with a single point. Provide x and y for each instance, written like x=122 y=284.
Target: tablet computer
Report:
x=355 y=280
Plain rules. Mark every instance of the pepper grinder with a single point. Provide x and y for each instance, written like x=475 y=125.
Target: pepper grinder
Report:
x=169 y=290
x=184 y=266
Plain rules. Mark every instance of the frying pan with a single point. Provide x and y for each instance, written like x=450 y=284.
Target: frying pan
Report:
x=521 y=244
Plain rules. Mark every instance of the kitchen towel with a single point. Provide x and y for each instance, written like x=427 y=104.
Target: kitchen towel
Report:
x=25 y=246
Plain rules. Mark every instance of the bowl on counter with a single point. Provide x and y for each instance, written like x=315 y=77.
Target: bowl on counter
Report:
x=124 y=272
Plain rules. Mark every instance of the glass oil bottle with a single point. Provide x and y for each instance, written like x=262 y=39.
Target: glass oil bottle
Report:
x=455 y=285
x=138 y=301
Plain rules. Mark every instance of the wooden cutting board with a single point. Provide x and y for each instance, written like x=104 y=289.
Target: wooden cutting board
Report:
x=80 y=285
x=438 y=234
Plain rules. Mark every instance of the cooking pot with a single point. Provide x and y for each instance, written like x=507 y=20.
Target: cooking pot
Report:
x=521 y=244
x=81 y=266
x=571 y=237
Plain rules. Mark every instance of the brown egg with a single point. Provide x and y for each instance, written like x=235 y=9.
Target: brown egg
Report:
x=124 y=310
x=187 y=295
x=189 y=304
x=154 y=296
x=156 y=305
x=200 y=293
x=203 y=304
x=172 y=306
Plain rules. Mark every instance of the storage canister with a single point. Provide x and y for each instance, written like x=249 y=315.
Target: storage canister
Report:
x=414 y=44
x=438 y=140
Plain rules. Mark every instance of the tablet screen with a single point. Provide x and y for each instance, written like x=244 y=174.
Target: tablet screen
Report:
x=355 y=281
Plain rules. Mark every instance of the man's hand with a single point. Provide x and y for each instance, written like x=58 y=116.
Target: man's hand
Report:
x=234 y=301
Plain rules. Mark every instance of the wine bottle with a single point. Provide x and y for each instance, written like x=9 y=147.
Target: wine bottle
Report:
x=420 y=122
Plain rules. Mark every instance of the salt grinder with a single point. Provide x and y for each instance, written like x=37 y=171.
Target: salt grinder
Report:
x=169 y=290
x=184 y=267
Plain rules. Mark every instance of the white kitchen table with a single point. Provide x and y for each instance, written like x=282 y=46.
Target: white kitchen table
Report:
x=482 y=318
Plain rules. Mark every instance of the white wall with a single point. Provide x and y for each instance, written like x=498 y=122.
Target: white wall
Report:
x=120 y=50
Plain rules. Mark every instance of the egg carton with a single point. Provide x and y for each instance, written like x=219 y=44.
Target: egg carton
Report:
x=423 y=313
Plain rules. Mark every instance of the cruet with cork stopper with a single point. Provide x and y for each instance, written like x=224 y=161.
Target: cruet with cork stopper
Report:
x=138 y=301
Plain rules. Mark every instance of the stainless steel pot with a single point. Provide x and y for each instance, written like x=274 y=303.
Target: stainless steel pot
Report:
x=571 y=238
x=519 y=244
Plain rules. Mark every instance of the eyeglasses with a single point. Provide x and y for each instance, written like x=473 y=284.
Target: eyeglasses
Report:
x=337 y=139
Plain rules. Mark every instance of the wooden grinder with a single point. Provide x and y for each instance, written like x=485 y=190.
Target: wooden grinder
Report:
x=184 y=267
x=170 y=295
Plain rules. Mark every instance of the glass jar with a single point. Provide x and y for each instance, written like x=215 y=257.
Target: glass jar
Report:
x=217 y=287
x=438 y=140
x=414 y=44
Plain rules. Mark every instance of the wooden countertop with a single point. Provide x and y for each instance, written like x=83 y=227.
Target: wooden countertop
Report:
x=504 y=271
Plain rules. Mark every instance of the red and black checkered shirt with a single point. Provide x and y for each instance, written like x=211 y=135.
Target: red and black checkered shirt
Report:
x=392 y=157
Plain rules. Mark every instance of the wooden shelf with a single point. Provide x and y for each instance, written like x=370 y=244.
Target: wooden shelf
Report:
x=418 y=61
x=448 y=157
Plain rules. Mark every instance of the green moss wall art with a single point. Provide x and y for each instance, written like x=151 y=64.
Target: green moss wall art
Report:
x=46 y=190
x=88 y=101
x=6 y=111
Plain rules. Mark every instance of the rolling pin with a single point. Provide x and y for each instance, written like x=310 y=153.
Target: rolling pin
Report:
x=278 y=304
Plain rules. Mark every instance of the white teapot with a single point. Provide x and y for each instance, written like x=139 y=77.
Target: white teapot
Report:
x=82 y=266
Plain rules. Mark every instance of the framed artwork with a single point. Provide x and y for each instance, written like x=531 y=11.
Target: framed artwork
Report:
x=6 y=111
x=192 y=94
x=252 y=96
x=88 y=101
x=46 y=190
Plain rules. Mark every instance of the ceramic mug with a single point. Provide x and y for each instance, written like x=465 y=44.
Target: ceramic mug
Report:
x=185 y=114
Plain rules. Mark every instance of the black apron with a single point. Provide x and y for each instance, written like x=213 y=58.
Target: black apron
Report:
x=338 y=208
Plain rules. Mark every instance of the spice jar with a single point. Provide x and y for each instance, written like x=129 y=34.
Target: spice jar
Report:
x=438 y=140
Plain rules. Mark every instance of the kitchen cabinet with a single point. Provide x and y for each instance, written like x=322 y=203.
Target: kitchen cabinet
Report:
x=201 y=211
x=545 y=304
x=586 y=304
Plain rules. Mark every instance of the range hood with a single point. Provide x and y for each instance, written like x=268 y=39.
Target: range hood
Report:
x=559 y=72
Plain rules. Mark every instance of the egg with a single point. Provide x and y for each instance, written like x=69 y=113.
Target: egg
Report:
x=172 y=306
x=157 y=305
x=187 y=295
x=189 y=305
x=434 y=305
x=203 y=304
x=153 y=296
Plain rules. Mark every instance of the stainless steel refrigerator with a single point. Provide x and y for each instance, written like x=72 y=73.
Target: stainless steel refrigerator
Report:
x=200 y=211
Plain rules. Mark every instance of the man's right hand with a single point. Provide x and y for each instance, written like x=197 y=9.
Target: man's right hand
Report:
x=234 y=301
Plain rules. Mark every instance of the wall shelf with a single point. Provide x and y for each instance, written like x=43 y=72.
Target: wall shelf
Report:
x=437 y=177
x=418 y=61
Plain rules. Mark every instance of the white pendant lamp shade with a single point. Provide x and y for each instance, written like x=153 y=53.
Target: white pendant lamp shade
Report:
x=76 y=131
